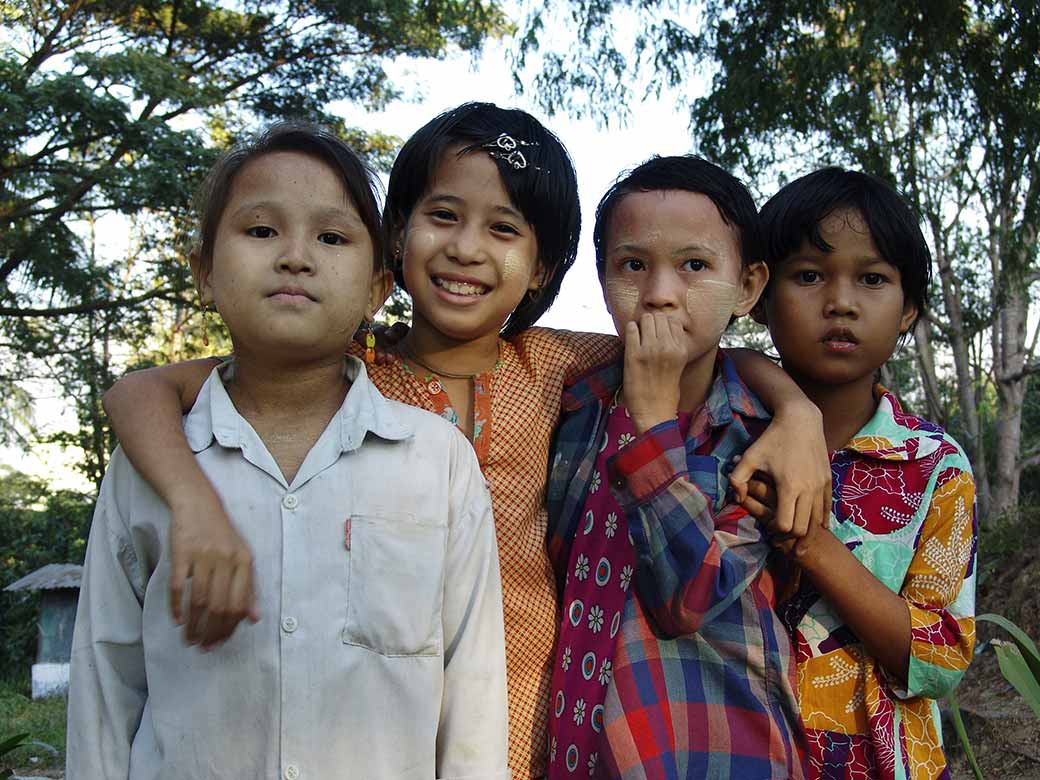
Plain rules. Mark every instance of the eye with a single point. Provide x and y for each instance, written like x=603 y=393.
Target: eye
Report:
x=874 y=279
x=632 y=265
x=505 y=228
x=332 y=239
x=442 y=215
x=261 y=231
x=808 y=277
x=694 y=265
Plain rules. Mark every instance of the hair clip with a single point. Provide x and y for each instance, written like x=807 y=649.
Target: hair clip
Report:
x=507 y=148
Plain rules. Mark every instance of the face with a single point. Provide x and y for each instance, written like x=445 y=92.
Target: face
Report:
x=469 y=255
x=292 y=272
x=836 y=317
x=670 y=251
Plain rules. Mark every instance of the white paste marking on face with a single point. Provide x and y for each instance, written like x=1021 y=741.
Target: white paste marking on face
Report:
x=711 y=302
x=622 y=298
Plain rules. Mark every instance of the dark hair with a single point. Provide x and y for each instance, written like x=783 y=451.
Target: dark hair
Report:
x=545 y=191
x=793 y=216
x=690 y=174
x=358 y=180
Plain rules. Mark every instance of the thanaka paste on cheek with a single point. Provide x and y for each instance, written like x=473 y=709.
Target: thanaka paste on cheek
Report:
x=622 y=299
x=711 y=302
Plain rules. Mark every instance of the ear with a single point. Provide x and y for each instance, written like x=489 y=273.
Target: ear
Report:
x=909 y=315
x=753 y=280
x=758 y=313
x=382 y=286
x=201 y=276
x=539 y=277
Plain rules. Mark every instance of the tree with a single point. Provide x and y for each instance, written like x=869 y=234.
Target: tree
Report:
x=942 y=99
x=117 y=107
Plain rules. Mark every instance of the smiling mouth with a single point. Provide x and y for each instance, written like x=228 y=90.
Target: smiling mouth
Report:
x=460 y=288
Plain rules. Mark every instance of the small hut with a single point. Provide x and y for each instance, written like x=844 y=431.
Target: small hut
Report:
x=58 y=584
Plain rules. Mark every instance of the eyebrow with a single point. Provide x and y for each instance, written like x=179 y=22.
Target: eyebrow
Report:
x=332 y=213
x=444 y=197
x=684 y=250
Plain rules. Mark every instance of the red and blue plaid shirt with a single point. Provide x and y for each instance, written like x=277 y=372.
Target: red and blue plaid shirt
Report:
x=703 y=682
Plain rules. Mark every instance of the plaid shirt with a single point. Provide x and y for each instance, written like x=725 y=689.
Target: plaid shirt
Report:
x=703 y=682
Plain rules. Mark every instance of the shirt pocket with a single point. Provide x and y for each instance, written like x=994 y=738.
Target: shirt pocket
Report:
x=395 y=578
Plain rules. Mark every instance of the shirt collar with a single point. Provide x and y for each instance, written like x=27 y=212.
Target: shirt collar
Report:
x=364 y=410
x=892 y=434
x=728 y=394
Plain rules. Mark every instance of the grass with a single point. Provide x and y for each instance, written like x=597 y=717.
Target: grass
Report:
x=43 y=721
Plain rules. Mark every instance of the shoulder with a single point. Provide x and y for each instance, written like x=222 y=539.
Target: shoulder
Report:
x=925 y=440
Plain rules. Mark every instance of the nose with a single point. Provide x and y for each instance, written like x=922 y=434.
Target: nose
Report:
x=662 y=291
x=467 y=245
x=296 y=257
x=840 y=299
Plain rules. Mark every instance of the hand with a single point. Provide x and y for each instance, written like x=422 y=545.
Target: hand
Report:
x=206 y=549
x=656 y=353
x=802 y=484
x=387 y=339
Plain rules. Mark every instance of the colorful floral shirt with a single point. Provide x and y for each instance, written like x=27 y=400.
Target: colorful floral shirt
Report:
x=904 y=504
x=703 y=673
x=521 y=404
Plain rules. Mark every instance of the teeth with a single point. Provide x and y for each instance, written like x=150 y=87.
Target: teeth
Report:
x=460 y=288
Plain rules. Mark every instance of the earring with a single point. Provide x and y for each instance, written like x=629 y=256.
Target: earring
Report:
x=370 y=344
x=205 y=325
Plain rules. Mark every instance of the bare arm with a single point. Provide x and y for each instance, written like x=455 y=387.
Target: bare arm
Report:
x=879 y=617
x=803 y=483
x=146 y=410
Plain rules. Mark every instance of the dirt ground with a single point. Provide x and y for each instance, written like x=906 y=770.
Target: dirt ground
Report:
x=1004 y=732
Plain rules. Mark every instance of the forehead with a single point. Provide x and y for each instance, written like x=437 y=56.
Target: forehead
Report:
x=291 y=178
x=668 y=219
x=847 y=229
x=472 y=173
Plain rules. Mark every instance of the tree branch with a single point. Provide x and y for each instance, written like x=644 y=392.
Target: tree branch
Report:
x=84 y=308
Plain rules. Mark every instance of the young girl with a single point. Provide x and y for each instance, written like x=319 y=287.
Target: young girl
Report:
x=482 y=221
x=883 y=617
x=367 y=670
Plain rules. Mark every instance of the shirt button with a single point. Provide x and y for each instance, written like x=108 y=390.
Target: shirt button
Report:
x=289 y=624
x=434 y=387
x=290 y=502
x=292 y=772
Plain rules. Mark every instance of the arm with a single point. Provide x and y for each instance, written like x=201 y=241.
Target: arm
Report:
x=146 y=411
x=107 y=688
x=923 y=636
x=803 y=484
x=472 y=735
x=692 y=565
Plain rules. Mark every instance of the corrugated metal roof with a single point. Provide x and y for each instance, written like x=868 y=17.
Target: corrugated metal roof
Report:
x=50 y=577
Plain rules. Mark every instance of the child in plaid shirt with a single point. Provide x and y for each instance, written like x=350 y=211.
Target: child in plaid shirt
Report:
x=671 y=662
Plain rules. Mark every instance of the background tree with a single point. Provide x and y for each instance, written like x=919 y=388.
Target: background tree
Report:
x=942 y=99
x=117 y=107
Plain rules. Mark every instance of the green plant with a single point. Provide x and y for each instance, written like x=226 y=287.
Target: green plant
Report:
x=1019 y=663
x=6 y=746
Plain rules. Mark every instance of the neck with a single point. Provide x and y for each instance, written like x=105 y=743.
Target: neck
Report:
x=846 y=408
x=696 y=381
x=260 y=389
x=436 y=350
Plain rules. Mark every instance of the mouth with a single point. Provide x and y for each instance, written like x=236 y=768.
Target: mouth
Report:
x=464 y=288
x=840 y=340
x=294 y=295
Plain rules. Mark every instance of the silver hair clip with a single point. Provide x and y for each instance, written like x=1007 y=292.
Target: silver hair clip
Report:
x=507 y=148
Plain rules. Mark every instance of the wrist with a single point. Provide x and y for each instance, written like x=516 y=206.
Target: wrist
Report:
x=817 y=549
x=798 y=407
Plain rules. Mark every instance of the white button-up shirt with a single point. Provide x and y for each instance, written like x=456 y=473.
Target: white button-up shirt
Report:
x=379 y=654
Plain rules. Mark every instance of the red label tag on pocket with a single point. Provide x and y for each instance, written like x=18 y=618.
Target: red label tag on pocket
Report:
x=346 y=533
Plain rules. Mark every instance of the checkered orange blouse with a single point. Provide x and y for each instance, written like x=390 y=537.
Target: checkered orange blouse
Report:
x=525 y=394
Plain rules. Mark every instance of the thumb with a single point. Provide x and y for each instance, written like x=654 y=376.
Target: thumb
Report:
x=738 y=478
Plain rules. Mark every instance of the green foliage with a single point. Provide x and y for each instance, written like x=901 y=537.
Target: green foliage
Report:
x=43 y=723
x=1019 y=661
x=37 y=527
x=962 y=734
x=113 y=110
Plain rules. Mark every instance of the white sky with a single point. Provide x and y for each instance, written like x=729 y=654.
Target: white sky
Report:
x=599 y=154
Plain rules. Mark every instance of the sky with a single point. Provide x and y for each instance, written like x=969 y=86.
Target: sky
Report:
x=655 y=127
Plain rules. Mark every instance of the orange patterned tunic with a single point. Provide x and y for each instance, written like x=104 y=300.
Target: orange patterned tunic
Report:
x=512 y=443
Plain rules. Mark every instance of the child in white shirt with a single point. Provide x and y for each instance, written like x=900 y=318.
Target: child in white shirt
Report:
x=369 y=519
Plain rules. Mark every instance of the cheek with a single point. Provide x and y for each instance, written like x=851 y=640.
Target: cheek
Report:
x=711 y=302
x=517 y=264
x=622 y=299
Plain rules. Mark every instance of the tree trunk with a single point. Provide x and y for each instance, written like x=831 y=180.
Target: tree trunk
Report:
x=1009 y=364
